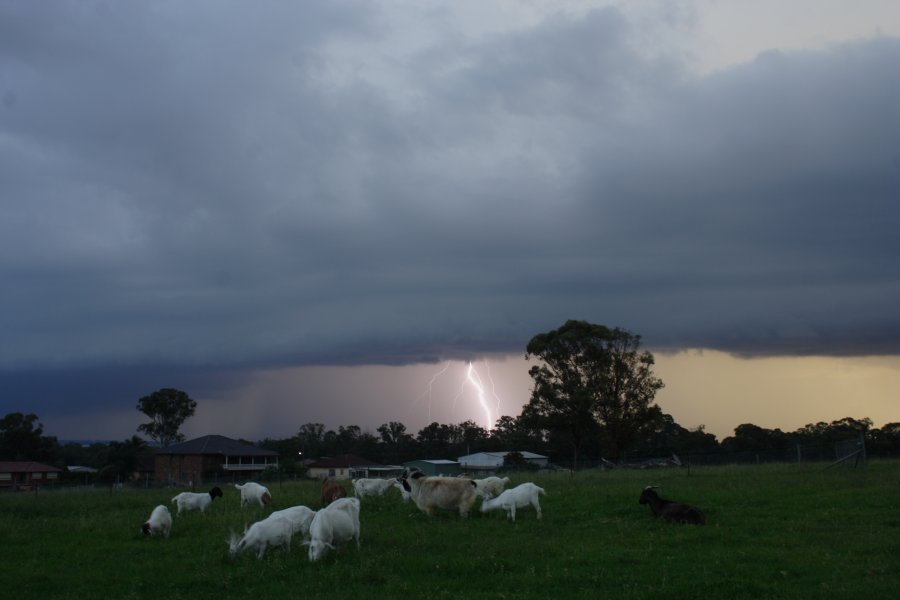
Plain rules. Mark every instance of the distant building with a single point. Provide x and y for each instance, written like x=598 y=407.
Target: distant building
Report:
x=340 y=467
x=449 y=468
x=211 y=458
x=27 y=475
x=492 y=461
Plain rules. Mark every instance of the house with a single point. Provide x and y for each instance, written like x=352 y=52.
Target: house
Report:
x=449 y=468
x=344 y=466
x=27 y=475
x=492 y=461
x=211 y=458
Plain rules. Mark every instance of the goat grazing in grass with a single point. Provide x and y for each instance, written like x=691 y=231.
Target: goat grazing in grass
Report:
x=371 y=487
x=404 y=495
x=195 y=501
x=299 y=516
x=518 y=497
x=335 y=524
x=448 y=493
x=673 y=512
x=271 y=531
x=253 y=492
x=331 y=491
x=490 y=487
x=160 y=521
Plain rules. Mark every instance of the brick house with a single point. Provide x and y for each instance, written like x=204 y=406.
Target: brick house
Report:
x=211 y=459
x=26 y=475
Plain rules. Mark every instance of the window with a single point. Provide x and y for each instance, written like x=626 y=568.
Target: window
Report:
x=5 y=476
x=51 y=475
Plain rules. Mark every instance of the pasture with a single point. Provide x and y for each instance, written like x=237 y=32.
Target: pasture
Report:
x=774 y=531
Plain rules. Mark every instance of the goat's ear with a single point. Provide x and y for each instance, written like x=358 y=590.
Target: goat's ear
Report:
x=329 y=545
x=305 y=543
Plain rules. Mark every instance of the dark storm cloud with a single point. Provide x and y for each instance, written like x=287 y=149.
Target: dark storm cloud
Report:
x=210 y=185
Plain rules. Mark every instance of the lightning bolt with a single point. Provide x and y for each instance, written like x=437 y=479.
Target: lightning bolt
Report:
x=475 y=379
x=430 y=386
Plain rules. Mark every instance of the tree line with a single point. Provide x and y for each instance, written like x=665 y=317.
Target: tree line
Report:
x=592 y=399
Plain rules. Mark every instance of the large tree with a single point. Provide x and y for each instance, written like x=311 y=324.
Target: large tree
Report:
x=21 y=438
x=169 y=409
x=591 y=380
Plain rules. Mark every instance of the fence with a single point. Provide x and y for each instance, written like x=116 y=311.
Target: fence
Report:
x=851 y=453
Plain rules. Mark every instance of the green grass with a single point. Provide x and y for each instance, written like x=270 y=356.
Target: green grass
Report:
x=785 y=531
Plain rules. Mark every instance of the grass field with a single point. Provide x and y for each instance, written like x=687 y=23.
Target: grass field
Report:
x=785 y=531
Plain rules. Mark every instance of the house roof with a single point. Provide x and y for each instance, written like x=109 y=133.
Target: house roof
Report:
x=436 y=461
x=25 y=466
x=343 y=461
x=501 y=455
x=215 y=444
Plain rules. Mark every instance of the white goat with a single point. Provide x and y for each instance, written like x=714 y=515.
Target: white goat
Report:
x=262 y=534
x=490 y=486
x=335 y=524
x=160 y=521
x=403 y=493
x=196 y=501
x=300 y=518
x=448 y=493
x=371 y=487
x=254 y=492
x=517 y=497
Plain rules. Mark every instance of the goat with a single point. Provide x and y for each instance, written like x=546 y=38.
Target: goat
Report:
x=270 y=531
x=299 y=516
x=253 y=492
x=331 y=491
x=490 y=486
x=335 y=524
x=518 y=497
x=193 y=501
x=371 y=487
x=673 y=512
x=404 y=495
x=447 y=493
x=160 y=521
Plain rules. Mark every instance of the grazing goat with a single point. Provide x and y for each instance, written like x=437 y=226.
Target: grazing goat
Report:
x=253 y=492
x=371 y=487
x=331 y=491
x=518 y=497
x=193 y=500
x=335 y=524
x=299 y=516
x=270 y=531
x=490 y=486
x=404 y=495
x=674 y=512
x=448 y=493
x=160 y=521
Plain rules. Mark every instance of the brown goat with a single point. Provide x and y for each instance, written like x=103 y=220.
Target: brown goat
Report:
x=331 y=491
x=673 y=512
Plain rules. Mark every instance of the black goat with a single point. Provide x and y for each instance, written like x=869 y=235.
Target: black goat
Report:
x=673 y=512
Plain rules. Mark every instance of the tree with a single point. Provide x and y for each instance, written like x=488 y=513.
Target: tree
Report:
x=169 y=409
x=121 y=459
x=591 y=378
x=21 y=438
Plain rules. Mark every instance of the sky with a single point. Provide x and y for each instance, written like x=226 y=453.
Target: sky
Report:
x=326 y=211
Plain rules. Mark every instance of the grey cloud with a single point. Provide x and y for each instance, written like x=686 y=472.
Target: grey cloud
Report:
x=207 y=186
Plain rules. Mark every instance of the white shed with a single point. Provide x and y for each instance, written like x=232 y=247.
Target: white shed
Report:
x=491 y=461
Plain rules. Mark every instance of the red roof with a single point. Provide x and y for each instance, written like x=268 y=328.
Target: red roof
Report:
x=343 y=461
x=22 y=466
